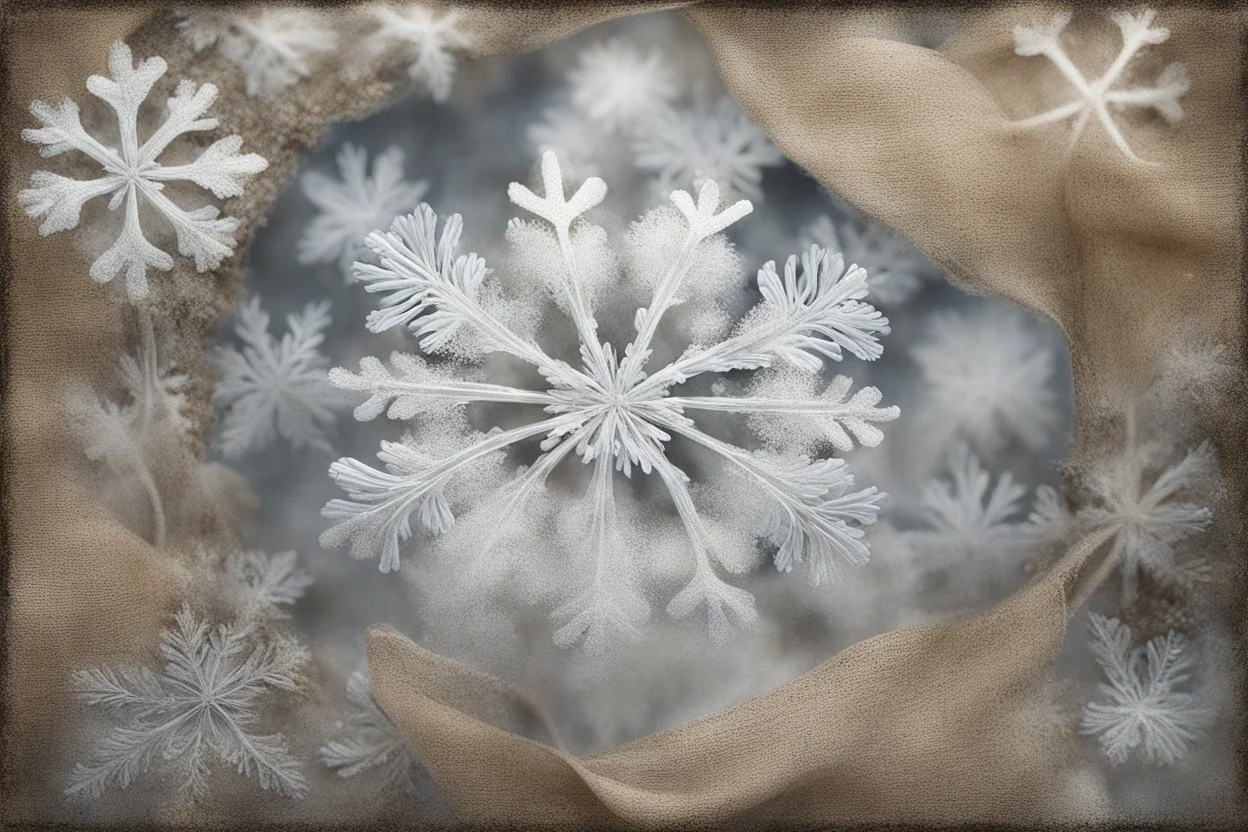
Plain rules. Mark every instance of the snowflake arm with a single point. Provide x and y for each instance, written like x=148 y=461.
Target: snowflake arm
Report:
x=377 y=516
x=1142 y=704
x=273 y=47
x=273 y=388
x=355 y=205
x=203 y=703
x=801 y=321
x=1094 y=97
x=893 y=265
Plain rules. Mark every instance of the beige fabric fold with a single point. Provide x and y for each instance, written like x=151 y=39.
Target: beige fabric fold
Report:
x=925 y=724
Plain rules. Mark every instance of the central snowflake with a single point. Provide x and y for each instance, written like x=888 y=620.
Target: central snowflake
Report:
x=612 y=410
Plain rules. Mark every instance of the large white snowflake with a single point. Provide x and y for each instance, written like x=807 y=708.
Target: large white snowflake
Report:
x=133 y=176
x=272 y=45
x=356 y=204
x=202 y=705
x=1096 y=97
x=713 y=141
x=1144 y=704
x=613 y=410
x=274 y=388
x=426 y=38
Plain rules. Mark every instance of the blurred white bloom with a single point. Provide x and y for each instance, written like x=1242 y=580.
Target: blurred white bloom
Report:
x=354 y=205
x=372 y=741
x=132 y=174
x=274 y=388
x=274 y=46
x=715 y=142
x=426 y=39
x=204 y=703
x=1151 y=520
x=618 y=86
x=893 y=265
x=1145 y=707
x=611 y=410
x=1095 y=98
x=989 y=377
x=572 y=137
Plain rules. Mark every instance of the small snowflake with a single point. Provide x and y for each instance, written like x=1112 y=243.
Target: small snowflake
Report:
x=969 y=515
x=133 y=176
x=893 y=265
x=426 y=38
x=989 y=377
x=273 y=46
x=276 y=388
x=1151 y=521
x=618 y=86
x=715 y=142
x=355 y=205
x=373 y=742
x=260 y=585
x=1146 y=708
x=611 y=411
x=1096 y=97
x=204 y=703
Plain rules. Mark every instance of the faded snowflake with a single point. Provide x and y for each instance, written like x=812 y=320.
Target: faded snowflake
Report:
x=611 y=410
x=274 y=46
x=133 y=175
x=121 y=433
x=260 y=585
x=989 y=377
x=372 y=741
x=969 y=515
x=1151 y=520
x=427 y=40
x=573 y=138
x=894 y=266
x=709 y=142
x=274 y=388
x=203 y=705
x=355 y=205
x=1095 y=98
x=1144 y=705
x=618 y=86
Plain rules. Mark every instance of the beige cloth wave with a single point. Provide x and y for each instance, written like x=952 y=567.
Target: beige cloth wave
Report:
x=910 y=725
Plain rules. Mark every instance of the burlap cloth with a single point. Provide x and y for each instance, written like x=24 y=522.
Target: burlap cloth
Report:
x=925 y=724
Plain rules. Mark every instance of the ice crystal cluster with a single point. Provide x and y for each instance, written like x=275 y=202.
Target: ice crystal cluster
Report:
x=1095 y=98
x=132 y=174
x=617 y=410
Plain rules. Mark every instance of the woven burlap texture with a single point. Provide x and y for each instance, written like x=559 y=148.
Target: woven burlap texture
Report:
x=930 y=723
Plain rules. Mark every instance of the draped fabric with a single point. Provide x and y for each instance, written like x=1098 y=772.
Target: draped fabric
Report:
x=933 y=723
